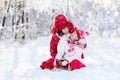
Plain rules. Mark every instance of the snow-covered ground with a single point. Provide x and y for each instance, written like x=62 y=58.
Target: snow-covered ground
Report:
x=21 y=62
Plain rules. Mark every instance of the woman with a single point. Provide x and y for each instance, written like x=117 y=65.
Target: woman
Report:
x=61 y=27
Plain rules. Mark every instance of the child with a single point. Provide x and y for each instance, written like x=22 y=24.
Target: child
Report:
x=69 y=50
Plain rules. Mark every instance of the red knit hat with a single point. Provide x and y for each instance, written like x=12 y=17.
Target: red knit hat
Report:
x=81 y=34
x=60 y=23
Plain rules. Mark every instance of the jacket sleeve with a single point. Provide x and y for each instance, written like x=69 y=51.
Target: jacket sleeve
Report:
x=53 y=45
x=61 y=48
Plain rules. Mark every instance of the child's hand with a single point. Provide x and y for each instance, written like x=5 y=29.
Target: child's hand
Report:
x=81 y=46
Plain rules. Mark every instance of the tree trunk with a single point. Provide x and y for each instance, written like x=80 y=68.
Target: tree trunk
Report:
x=4 y=18
x=23 y=32
x=3 y=22
x=17 y=23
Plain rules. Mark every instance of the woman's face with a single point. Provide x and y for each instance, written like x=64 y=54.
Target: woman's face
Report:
x=65 y=30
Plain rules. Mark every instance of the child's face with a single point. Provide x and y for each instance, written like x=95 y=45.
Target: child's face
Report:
x=74 y=37
x=65 y=30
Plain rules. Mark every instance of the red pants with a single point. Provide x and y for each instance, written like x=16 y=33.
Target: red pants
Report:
x=76 y=64
x=48 y=64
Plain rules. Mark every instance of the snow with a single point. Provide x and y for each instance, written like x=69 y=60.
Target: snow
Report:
x=21 y=62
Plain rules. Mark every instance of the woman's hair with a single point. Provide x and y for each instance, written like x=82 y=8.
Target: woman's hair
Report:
x=60 y=33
